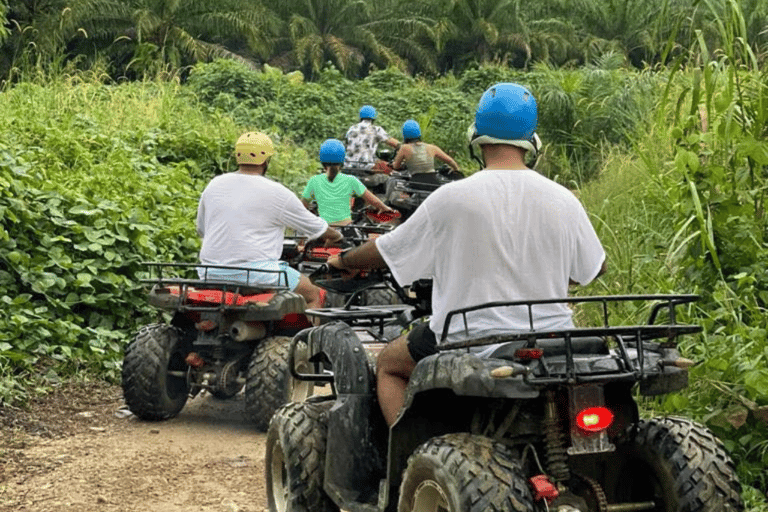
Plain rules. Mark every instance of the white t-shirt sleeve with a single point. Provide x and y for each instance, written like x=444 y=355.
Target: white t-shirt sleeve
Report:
x=200 y=222
x=296 y=216
x=588 y=253
x=409 y=250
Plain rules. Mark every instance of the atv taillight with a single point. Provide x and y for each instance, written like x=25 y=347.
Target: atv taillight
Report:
x=528 y=353
x=205 y=325
x=594 y=419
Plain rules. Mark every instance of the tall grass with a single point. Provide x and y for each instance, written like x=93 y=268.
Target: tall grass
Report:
x=684 y=212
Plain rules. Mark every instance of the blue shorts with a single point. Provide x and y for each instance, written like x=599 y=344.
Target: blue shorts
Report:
x=280 y=271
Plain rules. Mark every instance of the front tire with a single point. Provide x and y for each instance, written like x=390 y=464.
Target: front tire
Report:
x=269 y=383
x=153 y=376
x=463 y=473
x=295 y=459
x=678 y=464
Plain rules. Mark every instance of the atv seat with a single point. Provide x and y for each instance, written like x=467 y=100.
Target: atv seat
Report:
x=429 y=181
x=553 y=347
x=215 y=297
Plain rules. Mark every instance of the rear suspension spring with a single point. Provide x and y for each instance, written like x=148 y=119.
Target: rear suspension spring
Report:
x=554 y=442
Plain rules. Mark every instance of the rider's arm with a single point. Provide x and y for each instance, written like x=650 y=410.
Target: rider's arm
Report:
x=399 y=157
x=600 y=272
x=331 y=236
x=305 y=203
x=443 y=156
x=366 y=256
x=393 y=142
x=370 y=198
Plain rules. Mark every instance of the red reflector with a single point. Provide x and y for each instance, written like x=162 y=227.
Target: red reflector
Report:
x=594 y=419
x=205 y=325
x=529 y=353
x=543 y=488
x=194 y=360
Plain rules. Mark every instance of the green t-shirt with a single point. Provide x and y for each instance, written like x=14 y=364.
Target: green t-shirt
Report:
x=333 y=197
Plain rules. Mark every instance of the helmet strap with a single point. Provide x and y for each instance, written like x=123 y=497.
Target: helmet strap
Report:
x=477 y=158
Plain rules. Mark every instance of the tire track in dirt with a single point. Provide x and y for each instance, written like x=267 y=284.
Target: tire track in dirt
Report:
x=208 y=459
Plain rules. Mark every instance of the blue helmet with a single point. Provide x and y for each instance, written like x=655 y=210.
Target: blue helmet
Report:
x=367 y=112
x=507 y=111
x=411 y=129
x=332 y=151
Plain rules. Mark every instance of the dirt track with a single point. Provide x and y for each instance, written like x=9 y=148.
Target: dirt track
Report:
x=75 y=455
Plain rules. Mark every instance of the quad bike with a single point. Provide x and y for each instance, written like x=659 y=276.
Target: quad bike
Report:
x=221 y=337
x=309 y=257
x=375 y=178
x=405 y=191
x=547 y=421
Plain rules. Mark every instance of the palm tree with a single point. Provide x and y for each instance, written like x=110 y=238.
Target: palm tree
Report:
x=640 y=29
x=174 y=32
x=353 y=34
x=4 y=32
x=480 y=31
x=28 y=34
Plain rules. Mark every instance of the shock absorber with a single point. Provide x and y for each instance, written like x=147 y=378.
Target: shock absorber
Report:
x=554 y=442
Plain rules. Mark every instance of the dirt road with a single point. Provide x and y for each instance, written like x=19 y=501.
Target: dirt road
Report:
x=71 y=452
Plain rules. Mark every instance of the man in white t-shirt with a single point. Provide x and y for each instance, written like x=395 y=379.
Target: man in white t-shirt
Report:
x=242 y=218
x=362 y=140
x=505 y=233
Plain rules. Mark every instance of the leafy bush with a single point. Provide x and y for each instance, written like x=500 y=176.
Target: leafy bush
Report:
x=98 y=180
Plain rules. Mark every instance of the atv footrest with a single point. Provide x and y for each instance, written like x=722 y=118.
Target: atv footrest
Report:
x=360 y=314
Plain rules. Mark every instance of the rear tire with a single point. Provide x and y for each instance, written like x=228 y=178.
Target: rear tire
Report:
x=380 y=297
x=463 y=473
x=149 y=391
x=680 y=465
x=269 y=383
x=295 y=459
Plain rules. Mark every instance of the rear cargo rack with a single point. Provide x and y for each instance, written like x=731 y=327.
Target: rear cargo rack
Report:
x=625 y=336
x=170 y=290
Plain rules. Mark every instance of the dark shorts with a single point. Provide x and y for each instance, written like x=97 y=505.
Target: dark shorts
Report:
x=421 y=342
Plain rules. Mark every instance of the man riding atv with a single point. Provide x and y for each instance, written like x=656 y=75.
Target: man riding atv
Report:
x=242 y=218
x=505 y=233
x=362 y=140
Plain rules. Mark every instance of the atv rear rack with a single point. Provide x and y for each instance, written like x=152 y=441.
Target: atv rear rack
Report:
x=576 y=340
x=200 y=295
x=649 y=330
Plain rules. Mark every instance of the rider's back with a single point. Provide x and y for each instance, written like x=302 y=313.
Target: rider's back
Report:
x=499 y=235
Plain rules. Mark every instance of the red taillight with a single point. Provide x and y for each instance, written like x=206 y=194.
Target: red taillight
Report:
x=205 y=325
x=194 y=360
x=594 y=419
x=528 y=353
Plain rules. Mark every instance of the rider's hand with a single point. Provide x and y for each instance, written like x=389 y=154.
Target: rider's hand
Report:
x=336 y=262
x=333 y=243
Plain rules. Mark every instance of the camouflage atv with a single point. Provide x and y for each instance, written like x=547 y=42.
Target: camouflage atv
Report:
x=527 y=422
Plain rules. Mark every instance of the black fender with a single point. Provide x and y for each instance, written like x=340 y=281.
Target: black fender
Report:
x=357 y=433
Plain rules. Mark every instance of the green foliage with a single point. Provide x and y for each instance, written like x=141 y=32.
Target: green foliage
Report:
x=96 y=178
x=697 y=183
x=93 y=181
x=151 y=37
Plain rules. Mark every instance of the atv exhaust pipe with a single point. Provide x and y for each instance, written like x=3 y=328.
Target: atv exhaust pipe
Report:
x=247 y=331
